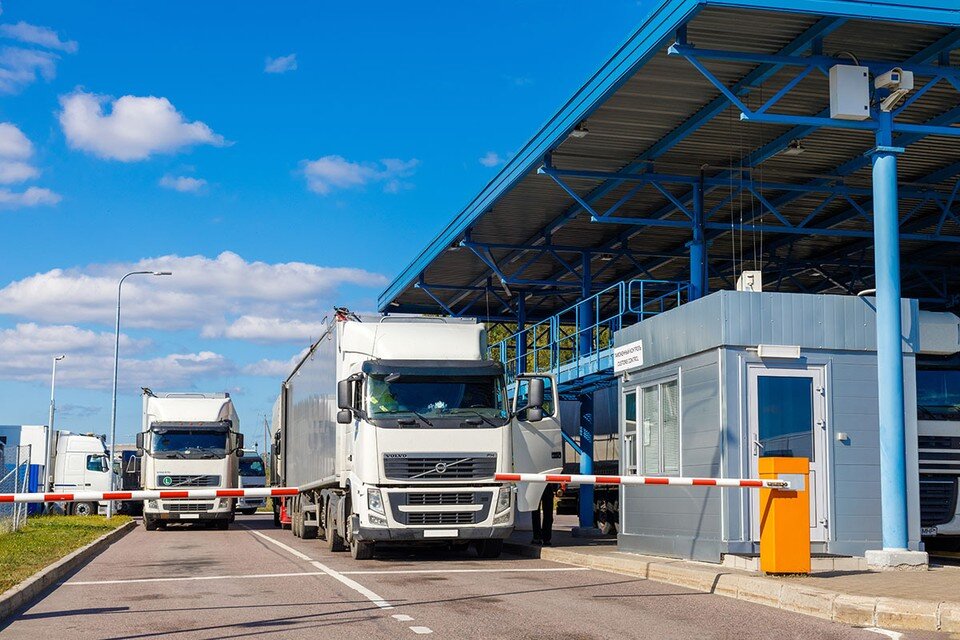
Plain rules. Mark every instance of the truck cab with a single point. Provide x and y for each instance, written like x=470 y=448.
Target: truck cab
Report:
x=252 y=475
x=938 y=427
x=81 y=463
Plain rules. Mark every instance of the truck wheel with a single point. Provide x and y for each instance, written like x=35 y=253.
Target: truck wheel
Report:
x=295 y=524
x=334 y=541
x=491 y=548
x=276 y=519
x=84 y=509
x=149 y=524
x=361 y=550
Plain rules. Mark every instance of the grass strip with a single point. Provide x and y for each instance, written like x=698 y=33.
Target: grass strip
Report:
x=46 y=539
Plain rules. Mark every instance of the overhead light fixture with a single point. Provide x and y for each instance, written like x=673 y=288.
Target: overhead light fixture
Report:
x=580 y=131
x=795 y=148
x=606 y=257
x=506 y=289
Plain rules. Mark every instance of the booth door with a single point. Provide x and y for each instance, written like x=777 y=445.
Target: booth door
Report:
x=787 y=418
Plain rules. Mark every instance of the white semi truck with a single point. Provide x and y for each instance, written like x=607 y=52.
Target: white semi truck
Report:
x=189 y=441
x=80 y=463
x=393 y=428
x=253 y=475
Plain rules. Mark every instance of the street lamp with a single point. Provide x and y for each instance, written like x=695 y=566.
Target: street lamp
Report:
x=116 y=364
x=48 y=463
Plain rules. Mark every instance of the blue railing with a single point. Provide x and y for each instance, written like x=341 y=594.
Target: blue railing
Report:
x=578 y=341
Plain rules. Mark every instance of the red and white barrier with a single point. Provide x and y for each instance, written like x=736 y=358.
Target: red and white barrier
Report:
x=748 y=483
x=165 y=494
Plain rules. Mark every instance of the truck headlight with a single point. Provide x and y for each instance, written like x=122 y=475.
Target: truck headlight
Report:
x=503 y=499
x=375 y=501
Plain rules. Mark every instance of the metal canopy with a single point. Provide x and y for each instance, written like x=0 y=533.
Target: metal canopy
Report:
x=619 y=202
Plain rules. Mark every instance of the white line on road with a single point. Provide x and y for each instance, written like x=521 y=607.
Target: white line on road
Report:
x=505 y=570
x=893 y=635
x=353 y=584
x=402 y=617
x=80 y=583
x=421 y=630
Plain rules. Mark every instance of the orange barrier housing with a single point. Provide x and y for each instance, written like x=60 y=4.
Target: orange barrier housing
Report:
x=785 y=517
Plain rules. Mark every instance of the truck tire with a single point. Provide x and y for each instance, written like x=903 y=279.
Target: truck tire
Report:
x=307 y=531
x=361 y=550
x=149 y=524
x=295 y=523
x=276 y=519
x=334 y=540
x=491 y=548
x=84 y=509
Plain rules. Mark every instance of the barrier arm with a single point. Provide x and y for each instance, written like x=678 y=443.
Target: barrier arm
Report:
x=731 y=483
x=97 y=496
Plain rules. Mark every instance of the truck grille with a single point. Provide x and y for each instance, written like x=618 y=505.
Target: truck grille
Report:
x=419 y=519
x=939 y=454
x=177 y=506
x=468 y=466
x=187 y=481
x=938 y=500
x=462 y=497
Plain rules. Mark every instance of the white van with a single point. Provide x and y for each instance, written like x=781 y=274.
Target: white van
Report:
x=253 y=474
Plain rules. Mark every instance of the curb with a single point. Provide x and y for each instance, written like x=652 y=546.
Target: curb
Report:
x=14 y=598
x=849 y=609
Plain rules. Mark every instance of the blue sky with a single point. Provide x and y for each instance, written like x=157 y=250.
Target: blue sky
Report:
x=279 y=157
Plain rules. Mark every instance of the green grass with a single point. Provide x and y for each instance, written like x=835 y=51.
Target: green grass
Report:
x=46 y=539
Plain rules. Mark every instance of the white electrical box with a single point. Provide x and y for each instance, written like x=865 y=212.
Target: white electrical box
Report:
x=849 y=92
x=750 y=281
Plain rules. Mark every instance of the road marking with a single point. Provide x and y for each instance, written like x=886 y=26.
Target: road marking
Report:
x=893 y=635
x=505 y=570
x=402 y=617
x=80 y=583
x=421 y=630
x=336 y=575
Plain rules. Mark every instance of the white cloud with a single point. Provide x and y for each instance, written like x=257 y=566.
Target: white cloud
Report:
x=20 y=67
x=13 y=143
x=26 y=351
x=274 y=368
x=136 y=127
x=16 y=171
x=491 y=159
x=205 y=293
x=268 y=330
x=42 y=36
x=335 y=172
x=183 y=184
x=281 y=64
x=32 y=197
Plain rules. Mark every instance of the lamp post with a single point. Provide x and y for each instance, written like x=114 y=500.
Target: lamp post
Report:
x=48 y=463
x=116 y=364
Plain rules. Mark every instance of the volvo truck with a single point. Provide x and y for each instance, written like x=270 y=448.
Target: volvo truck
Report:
x=393 y=428
x=189 y=441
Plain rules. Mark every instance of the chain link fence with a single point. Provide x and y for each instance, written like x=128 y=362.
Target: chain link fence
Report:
x=14 y=477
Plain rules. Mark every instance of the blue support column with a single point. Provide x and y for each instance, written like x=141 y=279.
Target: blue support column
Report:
x=585 y=322
x=886 y=221
x=698 y=246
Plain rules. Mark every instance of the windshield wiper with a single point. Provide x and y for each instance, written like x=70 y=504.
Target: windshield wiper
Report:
x=422 y=417
x=481 y=416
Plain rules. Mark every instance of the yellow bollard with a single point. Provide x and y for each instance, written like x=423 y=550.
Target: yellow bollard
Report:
x=785 y=517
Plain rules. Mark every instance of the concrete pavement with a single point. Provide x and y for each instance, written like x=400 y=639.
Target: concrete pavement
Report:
x=255 y=580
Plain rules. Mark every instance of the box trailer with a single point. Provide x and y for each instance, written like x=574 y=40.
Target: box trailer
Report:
x=393 y=428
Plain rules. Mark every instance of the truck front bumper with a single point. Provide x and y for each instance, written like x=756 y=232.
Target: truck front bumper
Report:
x=206 y=516
x=428 y=535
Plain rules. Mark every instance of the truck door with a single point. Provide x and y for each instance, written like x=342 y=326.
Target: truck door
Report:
x=96 y=474
x=537 y=446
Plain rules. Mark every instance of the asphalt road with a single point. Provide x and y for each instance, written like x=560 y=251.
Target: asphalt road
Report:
x=255 y=580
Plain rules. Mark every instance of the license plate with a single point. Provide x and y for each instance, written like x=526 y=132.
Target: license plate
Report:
x=928 y=531
x=441 y=533
x=189 y=516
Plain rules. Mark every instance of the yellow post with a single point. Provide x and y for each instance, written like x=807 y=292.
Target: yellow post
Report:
x=785 y=517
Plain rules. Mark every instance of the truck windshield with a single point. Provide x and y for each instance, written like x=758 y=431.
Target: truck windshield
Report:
x=437 y=396
x=189 y=443
x=938 y=394
x=251 y=467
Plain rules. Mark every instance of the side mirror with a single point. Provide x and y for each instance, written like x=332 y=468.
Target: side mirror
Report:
x=534 y=414
x=239 y=441
x=344 y=394
x=535 y=393
x=140 y=444
x=344 y=416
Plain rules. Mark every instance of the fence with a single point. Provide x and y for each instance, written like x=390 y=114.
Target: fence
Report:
x=14 y=477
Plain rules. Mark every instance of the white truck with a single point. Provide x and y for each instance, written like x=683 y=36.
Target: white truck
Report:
x=80 y=463
x=392 y=428
x=252 y=475
x=189 y=441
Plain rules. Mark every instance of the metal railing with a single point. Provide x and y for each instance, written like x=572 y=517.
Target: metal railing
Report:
x=578 y=341
x=14 y=476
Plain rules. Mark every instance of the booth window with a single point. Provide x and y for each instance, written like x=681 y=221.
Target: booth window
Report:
x=630 y=432
x=660 y=429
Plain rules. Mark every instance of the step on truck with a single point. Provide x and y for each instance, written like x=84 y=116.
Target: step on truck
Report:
x=189 y=441
x=393 y=427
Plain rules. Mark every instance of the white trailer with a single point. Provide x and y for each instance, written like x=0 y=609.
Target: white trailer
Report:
x=189 y=441
x=393 y=428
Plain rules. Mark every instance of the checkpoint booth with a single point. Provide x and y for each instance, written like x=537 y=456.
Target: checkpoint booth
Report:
x=737 y=376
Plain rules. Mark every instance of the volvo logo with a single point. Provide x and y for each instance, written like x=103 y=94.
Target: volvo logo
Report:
x=441 y=467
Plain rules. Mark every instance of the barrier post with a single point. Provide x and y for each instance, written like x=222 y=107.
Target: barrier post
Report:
x=785 y=517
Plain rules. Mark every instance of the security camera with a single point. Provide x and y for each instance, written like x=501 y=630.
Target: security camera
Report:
x=899 y=82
